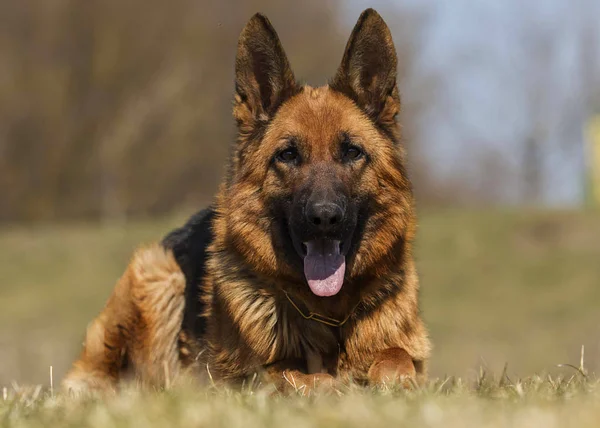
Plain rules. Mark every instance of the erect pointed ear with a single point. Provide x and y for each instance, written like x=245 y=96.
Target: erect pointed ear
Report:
x=367 y=73
x=263 y=77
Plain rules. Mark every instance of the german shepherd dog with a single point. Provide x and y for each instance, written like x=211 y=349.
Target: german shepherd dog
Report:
x=301 y=271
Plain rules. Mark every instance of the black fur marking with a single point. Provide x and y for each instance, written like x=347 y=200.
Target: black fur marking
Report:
x=189 y=245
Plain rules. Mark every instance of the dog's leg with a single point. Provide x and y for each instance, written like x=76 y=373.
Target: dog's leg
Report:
x=289 y=378
x=392 y=365
x=104 y=349
x=158 y=294
x=138 y=328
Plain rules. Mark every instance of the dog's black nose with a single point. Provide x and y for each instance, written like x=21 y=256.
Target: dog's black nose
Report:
x=324 y=215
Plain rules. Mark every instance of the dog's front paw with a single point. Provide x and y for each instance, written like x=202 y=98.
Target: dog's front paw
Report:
x=392 y=366
x=83 y=384
x=307 y=384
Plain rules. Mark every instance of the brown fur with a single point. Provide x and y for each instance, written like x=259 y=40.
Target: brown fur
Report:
x=251 y=325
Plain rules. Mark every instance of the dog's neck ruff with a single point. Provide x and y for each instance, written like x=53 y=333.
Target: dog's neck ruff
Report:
x=332 y=322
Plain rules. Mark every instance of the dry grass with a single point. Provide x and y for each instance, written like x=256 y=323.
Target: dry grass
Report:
x=486 y=402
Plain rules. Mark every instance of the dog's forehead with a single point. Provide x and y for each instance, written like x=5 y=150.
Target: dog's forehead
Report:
x=319 y=113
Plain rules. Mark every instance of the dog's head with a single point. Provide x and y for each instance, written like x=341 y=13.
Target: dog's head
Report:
x=317 y=192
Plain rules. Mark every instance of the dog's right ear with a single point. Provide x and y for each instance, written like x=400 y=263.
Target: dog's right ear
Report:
x=263 y=77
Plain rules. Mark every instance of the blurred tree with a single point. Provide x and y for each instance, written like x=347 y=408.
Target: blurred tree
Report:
x=111 y=108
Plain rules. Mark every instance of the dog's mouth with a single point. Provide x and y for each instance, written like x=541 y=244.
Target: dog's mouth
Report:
x=324 y=266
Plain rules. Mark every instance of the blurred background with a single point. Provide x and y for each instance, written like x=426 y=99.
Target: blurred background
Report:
x=115 y=125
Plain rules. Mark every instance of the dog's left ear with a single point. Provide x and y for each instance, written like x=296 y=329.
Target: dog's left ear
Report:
x=263 y=77
x=367 y=73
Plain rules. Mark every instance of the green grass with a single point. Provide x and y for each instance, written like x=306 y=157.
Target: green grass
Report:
x=515 y=288
x=510 y=287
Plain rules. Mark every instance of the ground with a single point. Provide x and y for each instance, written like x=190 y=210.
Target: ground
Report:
x=498 y=288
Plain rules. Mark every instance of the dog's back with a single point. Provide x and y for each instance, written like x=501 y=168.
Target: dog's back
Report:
x=189 y=244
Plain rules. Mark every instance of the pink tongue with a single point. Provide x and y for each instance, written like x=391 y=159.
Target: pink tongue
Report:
x=324 y=267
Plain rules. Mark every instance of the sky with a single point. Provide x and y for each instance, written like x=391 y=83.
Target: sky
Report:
x=505 y=71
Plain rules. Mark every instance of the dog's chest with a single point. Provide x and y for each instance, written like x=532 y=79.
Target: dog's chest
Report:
x=317 y=344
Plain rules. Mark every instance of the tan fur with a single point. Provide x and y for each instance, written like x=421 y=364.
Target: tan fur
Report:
x=392 y=365
x=139 y=327
x=251 y=325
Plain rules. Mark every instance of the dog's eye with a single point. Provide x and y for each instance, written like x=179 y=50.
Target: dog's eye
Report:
x=351 y=153
x=288 y=155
